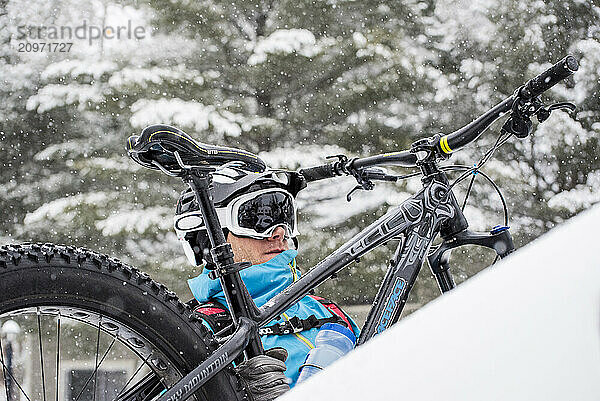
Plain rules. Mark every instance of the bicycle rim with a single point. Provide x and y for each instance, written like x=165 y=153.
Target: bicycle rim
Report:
x=84 y=326
x=54 y=352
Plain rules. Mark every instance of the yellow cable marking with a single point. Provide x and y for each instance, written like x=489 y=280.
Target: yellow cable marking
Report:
x=301 y=337
x=444 y=144
x=196 y=145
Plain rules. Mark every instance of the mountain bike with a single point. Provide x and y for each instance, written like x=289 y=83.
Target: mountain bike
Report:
x=68 y=298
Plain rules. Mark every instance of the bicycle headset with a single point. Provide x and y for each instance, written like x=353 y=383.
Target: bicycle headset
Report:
x=248 y=204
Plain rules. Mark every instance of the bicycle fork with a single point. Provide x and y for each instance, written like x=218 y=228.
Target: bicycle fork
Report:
x=433 y=216
x=499 y=239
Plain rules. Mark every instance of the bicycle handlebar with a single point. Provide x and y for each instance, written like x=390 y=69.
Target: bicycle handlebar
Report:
x=533 y=88
x=547 y=79
x=458 y=139
x=402 y=159
x=319 y=172
x=330 y=170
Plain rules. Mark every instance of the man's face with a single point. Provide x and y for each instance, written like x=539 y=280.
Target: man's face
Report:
x=258 y=251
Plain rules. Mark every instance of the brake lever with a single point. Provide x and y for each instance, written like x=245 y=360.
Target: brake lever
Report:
x=364 y=178
x=349 y=196
x=544 y=113
x=563 y=105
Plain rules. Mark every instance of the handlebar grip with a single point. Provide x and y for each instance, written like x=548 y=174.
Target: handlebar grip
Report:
x=318 y=172
x=547 y=79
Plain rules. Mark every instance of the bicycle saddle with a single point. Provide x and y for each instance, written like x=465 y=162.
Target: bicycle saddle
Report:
x=156 y=146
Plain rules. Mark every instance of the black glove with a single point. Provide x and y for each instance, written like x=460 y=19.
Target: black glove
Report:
x=263 y=375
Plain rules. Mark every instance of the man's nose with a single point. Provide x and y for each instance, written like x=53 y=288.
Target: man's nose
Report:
x=278 y=234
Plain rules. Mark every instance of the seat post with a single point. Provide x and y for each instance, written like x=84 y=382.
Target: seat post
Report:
x=199 y=180
x=238 y=298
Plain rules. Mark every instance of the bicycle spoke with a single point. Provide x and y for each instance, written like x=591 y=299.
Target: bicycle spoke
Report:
x=82 y=377
x=145 y=362
x=3 y=368
x=96 y=363
x=57 y=353
x=148 y=387
x=41 y=352
x=12 y=378
x=95 y=370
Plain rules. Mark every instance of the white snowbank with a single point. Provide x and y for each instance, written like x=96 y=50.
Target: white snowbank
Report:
x=527 y=329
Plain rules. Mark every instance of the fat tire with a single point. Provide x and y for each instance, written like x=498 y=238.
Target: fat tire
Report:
x=57 y=275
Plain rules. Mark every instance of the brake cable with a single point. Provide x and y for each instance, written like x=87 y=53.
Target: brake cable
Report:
x=363 y=177
x=476 y=169
x=502 y=138
x=494 y=185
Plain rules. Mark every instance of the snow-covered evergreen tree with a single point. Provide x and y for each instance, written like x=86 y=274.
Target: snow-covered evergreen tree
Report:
x=294 y=82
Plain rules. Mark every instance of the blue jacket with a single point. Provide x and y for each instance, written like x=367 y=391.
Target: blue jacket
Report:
x=264 y=281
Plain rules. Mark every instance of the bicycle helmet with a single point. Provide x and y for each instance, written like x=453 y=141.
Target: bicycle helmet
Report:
x=248 y=204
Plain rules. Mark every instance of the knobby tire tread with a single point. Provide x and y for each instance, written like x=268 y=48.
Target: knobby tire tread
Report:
x=36 y=274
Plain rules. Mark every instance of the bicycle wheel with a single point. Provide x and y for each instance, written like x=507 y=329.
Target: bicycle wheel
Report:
x=80 y=326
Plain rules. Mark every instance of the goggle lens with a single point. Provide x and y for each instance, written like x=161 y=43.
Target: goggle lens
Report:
x=267 y=210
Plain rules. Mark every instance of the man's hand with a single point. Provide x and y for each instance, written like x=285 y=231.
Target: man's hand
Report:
x=263 y=375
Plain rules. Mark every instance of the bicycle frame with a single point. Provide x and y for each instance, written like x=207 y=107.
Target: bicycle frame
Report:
x=416 y=222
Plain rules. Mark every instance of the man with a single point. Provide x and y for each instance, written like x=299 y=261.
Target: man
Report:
x=257 y=212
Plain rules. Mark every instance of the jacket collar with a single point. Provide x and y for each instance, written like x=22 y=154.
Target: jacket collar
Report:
x=263 y=281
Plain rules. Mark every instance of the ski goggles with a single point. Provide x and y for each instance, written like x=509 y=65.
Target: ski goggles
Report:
x=254 y=215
